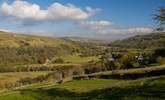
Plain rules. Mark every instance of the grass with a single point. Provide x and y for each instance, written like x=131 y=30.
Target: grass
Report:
x=13 y=77
x=17 y=96
x=70 y=60
x=133 y=71
x=78 y=59
x=57 y=65
x=19 y=49
x=18 y=75
x=15 y=40
x=98 y=89
x=150 y=88
x=87 y=85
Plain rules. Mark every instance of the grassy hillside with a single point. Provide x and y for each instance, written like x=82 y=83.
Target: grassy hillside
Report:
x=150 y=87
x=18 y=49
x=97 y=89
x=12 y=78
x=16 y=40
x=44 y=68
x=85 y=40
x=154 y=40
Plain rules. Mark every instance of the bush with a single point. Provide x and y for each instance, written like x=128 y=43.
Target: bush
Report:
x=136 y=64
x=160 y=60
x=58 y=60
x=159 y=52
x=118 y=65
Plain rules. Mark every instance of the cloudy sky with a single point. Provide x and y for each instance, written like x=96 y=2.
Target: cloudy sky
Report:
x=104 y=19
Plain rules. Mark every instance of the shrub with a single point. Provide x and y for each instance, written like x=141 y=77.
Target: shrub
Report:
x=159 y=52
x=136 y=64
x=57 y=60
x=160 y=60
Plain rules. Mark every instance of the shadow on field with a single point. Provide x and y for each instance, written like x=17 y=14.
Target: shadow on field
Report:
x=128 y=76
x=141 y=91
x=52 y=94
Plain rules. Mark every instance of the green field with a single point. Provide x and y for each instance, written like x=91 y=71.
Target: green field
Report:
x=78 y=59
x=7 y=79
x=133 y=71
x=97 y=89
x=144 y=88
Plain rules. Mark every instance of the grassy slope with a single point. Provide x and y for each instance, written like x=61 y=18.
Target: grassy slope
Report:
x=133 y=71
x=154 y=40
x=141 y=89
x=13 y=77
x=16 y=40
x=25 y=49
x=17 y=75
x=95 y=89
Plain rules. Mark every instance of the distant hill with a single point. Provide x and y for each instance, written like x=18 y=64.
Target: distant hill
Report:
x=25 y=49
x=85 y=40
x=153 y=40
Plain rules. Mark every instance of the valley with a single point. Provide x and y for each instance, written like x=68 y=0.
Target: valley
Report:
x=64 y=69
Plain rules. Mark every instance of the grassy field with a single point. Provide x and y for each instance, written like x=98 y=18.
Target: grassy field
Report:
x=148 y=88
x=13 y=77
x=88 y=85
x=98 y=89
x=133 y=71
x=77 y=59
x=21 y=74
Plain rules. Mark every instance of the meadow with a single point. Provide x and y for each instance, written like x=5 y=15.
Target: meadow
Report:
x=148 y=87
x=97 y=89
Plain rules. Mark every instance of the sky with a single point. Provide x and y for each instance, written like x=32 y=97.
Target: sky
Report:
x=101 y=19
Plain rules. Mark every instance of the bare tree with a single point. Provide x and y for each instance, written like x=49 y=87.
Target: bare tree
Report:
x=160 y=19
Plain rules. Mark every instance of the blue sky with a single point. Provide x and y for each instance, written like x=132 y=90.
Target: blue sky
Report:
x=87 y=18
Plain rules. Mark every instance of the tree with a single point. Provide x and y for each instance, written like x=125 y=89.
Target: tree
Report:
x=159 y=52
x=160 y=18
x=160 y=60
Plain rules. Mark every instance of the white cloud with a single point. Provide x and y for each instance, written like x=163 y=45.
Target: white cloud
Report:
x=133 y=30
x=5 y=30
x=55 y=12
x=27 y=13
x=95 y=24
x=104 y=27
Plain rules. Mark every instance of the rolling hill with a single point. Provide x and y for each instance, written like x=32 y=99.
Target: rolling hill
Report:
x=85 y=40
x=150 y=41
x=18 y=49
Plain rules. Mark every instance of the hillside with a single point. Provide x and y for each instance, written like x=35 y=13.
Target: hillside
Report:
x=98 y=88
x=16 y=49
x=150 y=41
x=85 y=40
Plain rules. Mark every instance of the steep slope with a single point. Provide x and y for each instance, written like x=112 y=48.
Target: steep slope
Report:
x=151 y=41
x=24 y=49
